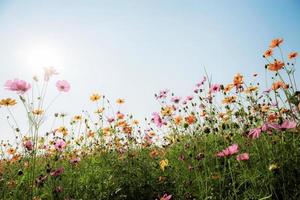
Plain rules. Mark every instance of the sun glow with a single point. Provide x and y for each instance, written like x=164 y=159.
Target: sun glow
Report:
x=44 y=55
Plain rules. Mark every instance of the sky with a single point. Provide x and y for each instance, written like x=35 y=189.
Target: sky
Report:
x=132 y=49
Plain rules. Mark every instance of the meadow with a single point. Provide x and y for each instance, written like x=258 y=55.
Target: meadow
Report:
x=237 y=140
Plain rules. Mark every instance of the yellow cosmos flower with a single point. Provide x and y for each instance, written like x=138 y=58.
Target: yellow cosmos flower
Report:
x=8 y=102
x=251 y=89
x=120 y=101
x=37 y=112
x=163 y=164
x=167 y=111
x=95 y=97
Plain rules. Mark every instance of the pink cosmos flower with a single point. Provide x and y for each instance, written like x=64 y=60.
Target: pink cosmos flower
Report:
x=189 y=98
x=215 y=88
x=166 y=197
x=175 y=99
x=17 y=85
x=243 y=156
x=110 y=119
x=233 y=149
x=162 y=94
x=75 y=160
x=60 y=145
x=157 y=120
x=57 y=172
x=268 y=126
x=48 y=72
x=254 y=133
x=63 y=86
x=288 y=124
x=28 y=145
x=201 y=82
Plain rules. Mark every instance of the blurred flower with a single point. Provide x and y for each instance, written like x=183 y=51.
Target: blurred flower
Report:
x=215 y=88
x=251 y=89
x=28 y=145
x=57 y=172
x=37 y=112
x=276 y=42
x=238 y=79
x=279 y=84
x=277 y=65
x=157 y=120
x=233 y=149
x=292 y=55
x=17 y=85
x=273 y=167
x=243 y=156
x=11 y=151
x=254 y=133
x=268 y=53
x=190 y=119
x=230 y=99
x=288 y=124
x=48 y=72
x=162 y=94
x=60 y=145
x=120 y=101
x=166 y=111
x=63 y=86
x=166 y=197
x=95 y=97
x=163 y=164
x=75 y=160
x=8 y=102
x=175 y=99
x=228 y=87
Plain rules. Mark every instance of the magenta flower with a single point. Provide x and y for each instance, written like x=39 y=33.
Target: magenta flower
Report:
x=157 y=120
x=233 y=149
x=17 y=85
x=215 y=88
x=57 y=172
x=243 y=156
x=60 y=145
x=63 y=86
x=288 y=124
x=166 y=197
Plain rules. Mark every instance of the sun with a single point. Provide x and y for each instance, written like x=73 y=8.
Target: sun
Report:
x=44 y=55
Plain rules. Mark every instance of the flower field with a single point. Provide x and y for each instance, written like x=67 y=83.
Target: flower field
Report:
x=237 y=140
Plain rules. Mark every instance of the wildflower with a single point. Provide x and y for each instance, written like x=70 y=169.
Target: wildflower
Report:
x=162 y=94
x=77 y=118
x=279 y=84
x=230 y=99
x=228 y=87
x=17 y=85
x=167 y=111
x=166 y=197
x=238 y=80
x=157 y=120
x=251 y=89
x=135 y=122
x=254 y=133
x=100 y=110
x=110 y=120
x=273 y=167
x=199 y=156
x=175 y=99
x=190 y=119
x=120 y=101
x=288 y=124
x=11 y=151
x=233 y=149
x=243 y=156
x=95 y=97
x=63 y=86
x=277 y=65
x=63 y=130
x=60 y=145
x=75 y=160
x=163 y=164
x=48 y=72
x=292 y=55
x=57 y=172
x=268 y=53
x=37 y=112
x=28 y=145
x=276 y=42
x=178 y=120
x=8 y=102
x=154 y=153
x=198 y=85
x=215 y=88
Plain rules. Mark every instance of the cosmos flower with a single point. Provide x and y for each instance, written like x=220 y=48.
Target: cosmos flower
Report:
x=166 y=197
x=175 y=99
x=48 y=72
x=28 y=145
x=60 y=145
x=288 y=124
x=157 y=120
x=277 y=65
x=215 y=88
x=57 y=172
x=276 y=42
x=243 y=156
x=163 y=164
x=233 y=149
x=7 y=102
x=95 y=97
x=63 y=86
x=268 y=53
x=254 y=133
x=292 y=55
x=17 y=85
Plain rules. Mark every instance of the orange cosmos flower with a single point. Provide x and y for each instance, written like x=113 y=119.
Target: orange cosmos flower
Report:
x=279 y=84
x=154 y=153
x=178 y=120
x=95 y=97
x=251 y=89
x=238 y=79
x=120 y=101
x=190 y=119
x=228 y=100
x=268 y=53
x=228 y=87
x=8 y=102
x=276 y=42
x=11 y=151
x=37 y=112
x=292 y=55
x=277 y=65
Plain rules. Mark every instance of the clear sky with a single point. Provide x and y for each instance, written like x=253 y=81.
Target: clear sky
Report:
x=134 y=48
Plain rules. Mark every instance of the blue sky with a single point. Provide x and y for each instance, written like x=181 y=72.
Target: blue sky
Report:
x=132 y=49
